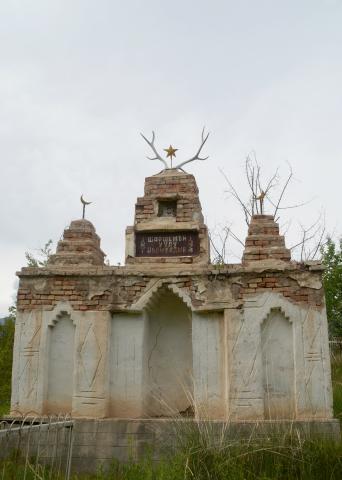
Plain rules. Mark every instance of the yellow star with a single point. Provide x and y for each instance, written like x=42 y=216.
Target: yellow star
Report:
x=171 y=152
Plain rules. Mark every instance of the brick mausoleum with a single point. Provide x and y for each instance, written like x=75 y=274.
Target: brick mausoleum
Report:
x=170 y=333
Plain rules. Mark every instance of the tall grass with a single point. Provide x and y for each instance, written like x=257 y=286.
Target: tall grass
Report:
x=290 y=459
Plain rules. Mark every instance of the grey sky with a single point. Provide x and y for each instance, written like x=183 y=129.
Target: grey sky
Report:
x=80 y=79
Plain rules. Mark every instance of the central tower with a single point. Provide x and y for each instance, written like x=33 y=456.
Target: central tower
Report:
x=168 y=223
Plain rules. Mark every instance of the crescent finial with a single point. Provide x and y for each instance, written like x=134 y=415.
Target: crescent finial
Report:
x=84 y=203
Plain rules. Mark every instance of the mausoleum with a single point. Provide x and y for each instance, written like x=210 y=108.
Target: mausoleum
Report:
x=169 y=333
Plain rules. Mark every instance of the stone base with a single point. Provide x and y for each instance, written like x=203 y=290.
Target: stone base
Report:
x=98 y=442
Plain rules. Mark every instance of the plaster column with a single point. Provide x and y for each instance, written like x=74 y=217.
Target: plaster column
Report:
x=126 y=365
x=26 y=362
x=245 y=366
x=208 y=364
x=91 y=378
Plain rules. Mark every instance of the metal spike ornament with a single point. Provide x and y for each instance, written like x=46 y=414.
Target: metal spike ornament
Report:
x=84 y=203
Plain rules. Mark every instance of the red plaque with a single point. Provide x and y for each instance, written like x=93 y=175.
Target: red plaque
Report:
x=167 y=244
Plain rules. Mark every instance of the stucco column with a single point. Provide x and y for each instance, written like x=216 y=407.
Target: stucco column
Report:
x=91 y=374
x=245 y=366
x=208 y=364
x=126 y=365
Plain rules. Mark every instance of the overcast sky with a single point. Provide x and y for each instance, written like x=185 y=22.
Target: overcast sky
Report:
x=80 y=79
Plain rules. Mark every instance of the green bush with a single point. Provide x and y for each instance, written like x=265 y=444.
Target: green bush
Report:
x=6 y=354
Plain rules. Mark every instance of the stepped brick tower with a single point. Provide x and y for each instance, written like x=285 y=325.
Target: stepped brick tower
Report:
x=168 y=225
x=169 y=333
x=264 y=241
x=80 y=246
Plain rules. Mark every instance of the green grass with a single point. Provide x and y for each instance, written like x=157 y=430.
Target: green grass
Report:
x=336 y=372
x=289 y=459
x=4 y=409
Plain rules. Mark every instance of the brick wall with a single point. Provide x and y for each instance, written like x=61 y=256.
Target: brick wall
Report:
x=172 y=185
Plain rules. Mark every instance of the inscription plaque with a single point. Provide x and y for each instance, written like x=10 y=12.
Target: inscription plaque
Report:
x=166 y=244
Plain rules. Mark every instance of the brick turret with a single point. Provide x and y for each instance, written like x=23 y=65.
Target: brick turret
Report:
x=80 y=245
x=168 y=222
x=263 y=240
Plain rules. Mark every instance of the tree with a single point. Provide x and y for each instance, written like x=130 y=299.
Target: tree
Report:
x=43 y=256
x=6 y=354
x=332 y=281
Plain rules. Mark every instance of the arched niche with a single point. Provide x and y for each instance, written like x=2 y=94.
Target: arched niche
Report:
x=278 y=366
x=168 y=378
x=61 y=339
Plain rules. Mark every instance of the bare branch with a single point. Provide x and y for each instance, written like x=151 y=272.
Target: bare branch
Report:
x=233 y=192
x=282 y=193
x=157 y=155
x=196 y=156
x=288 y=207
x=235 y=237
x=218 y=258
x=316 y=232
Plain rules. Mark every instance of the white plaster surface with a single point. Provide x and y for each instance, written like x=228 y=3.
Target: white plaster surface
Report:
x=278 y=366
x=209 y=364
x=268 y=359
x=312 y=388
x=168 y=357
x=60 y=366
x=126 y=365
x=26 y=362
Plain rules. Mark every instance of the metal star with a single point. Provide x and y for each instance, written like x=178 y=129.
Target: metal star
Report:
x=171 y=152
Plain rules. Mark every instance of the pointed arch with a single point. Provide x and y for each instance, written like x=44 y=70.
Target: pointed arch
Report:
x=267 y=302
x=154 y=290
x=61 y=310
x=168 y=354
x=277 y=350
x=61 y=353
x=274 y=310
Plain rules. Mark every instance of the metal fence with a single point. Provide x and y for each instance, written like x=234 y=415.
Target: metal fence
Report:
x=335 y=344
x=36 y=448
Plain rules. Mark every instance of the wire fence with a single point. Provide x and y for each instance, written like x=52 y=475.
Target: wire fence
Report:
x=36 y=448
x=335 y=344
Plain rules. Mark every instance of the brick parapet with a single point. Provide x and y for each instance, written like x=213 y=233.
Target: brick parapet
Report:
x=118 y=288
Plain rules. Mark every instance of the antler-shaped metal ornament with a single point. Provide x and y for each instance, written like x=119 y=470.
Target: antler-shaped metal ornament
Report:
x=180 y=165
x=151 y=144
x=196 y=156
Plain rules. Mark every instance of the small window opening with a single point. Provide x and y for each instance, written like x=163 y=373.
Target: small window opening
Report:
x=167 y=208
